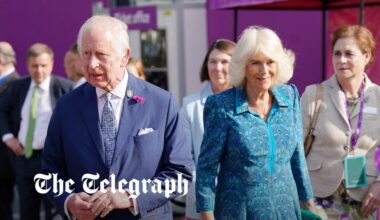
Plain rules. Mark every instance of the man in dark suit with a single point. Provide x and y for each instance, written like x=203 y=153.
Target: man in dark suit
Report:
x=117 y=127
x=25 y=111
x=7 y=176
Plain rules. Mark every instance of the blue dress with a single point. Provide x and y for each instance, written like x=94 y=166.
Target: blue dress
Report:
x=260 y=167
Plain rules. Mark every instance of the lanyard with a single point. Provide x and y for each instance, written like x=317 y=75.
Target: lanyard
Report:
x=355 y=135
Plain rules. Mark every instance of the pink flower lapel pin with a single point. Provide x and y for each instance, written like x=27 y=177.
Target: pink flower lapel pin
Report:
x=138 y=99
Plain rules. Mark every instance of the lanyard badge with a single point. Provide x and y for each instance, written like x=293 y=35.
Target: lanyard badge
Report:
x=355 y=166
x=355 y=171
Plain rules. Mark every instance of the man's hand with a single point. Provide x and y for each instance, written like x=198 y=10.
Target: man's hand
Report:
x=79 y=207
x=104 y=203
x=15 y=146
x=371 y=200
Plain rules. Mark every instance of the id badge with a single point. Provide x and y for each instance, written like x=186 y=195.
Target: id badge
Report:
x=355 y=172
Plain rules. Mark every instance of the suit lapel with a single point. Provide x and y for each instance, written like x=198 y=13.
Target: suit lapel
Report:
x=131 y=113
x=24 y=91
x=368 y=92
x=337 y=98
x=89 y=111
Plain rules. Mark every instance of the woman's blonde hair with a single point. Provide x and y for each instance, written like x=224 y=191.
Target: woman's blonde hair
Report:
x=260 y=40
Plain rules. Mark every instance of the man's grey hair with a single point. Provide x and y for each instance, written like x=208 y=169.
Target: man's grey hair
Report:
x=115 y=27
x=7 y=53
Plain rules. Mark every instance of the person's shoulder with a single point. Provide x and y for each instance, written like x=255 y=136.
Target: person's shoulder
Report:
x=75 y=96
x=191 y=99
x=15 y=86
x=152 y=90
x=14 y=75
x=290 y=90
x=62 y=81
x=227 y=94
x=311 y=90
x=374 y=87
x=225 y=98
x=22 y=81
x=197 y=96
x=286 y=93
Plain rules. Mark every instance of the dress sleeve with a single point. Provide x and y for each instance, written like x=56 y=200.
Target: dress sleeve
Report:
x=298 y=161
x=211 y=150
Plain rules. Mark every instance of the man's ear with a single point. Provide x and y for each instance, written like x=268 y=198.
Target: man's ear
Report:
x=124 y=60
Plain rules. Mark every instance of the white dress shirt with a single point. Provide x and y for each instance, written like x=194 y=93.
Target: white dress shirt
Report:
x=44 y=112
x=117 y=97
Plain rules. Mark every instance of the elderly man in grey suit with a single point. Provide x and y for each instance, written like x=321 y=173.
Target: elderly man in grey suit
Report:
x=7 y=176
x=25 y=111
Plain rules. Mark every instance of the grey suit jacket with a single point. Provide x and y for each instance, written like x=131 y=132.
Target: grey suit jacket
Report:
x=332 y=132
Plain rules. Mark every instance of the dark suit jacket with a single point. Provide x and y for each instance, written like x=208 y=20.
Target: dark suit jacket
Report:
x=74 y=145
x=12 y=100
x=7 y=81
x=6 y=164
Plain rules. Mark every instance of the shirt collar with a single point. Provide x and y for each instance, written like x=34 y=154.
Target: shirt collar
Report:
x=241 y=102
x=45 y=85
x=118 y=91
x=7 y=73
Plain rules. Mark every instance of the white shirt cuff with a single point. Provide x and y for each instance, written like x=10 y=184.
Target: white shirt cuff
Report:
x=70 y=217
x=7 y=137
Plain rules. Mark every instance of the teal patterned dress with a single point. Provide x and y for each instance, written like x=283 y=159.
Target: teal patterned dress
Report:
x=260 y=166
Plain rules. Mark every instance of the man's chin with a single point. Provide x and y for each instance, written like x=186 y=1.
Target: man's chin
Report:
x=38 y=81
x=97 y=84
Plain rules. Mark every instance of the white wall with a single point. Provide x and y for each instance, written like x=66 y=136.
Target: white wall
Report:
x=195 y=40
x=166 y=19
x=186 y=38
x=135 y=43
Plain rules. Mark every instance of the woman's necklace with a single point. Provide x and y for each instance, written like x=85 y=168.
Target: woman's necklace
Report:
x=262 y=108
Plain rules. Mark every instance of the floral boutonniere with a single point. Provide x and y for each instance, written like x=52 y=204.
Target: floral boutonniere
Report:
x=377 y=158
x=138 y=99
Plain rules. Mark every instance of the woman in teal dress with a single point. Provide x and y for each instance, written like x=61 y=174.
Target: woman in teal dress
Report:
x=253 y=141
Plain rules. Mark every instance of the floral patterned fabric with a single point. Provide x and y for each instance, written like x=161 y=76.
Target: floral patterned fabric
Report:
x=260 y=167
x=340 y=206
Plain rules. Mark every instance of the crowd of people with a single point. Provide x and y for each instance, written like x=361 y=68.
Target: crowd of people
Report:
x=238 y=142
